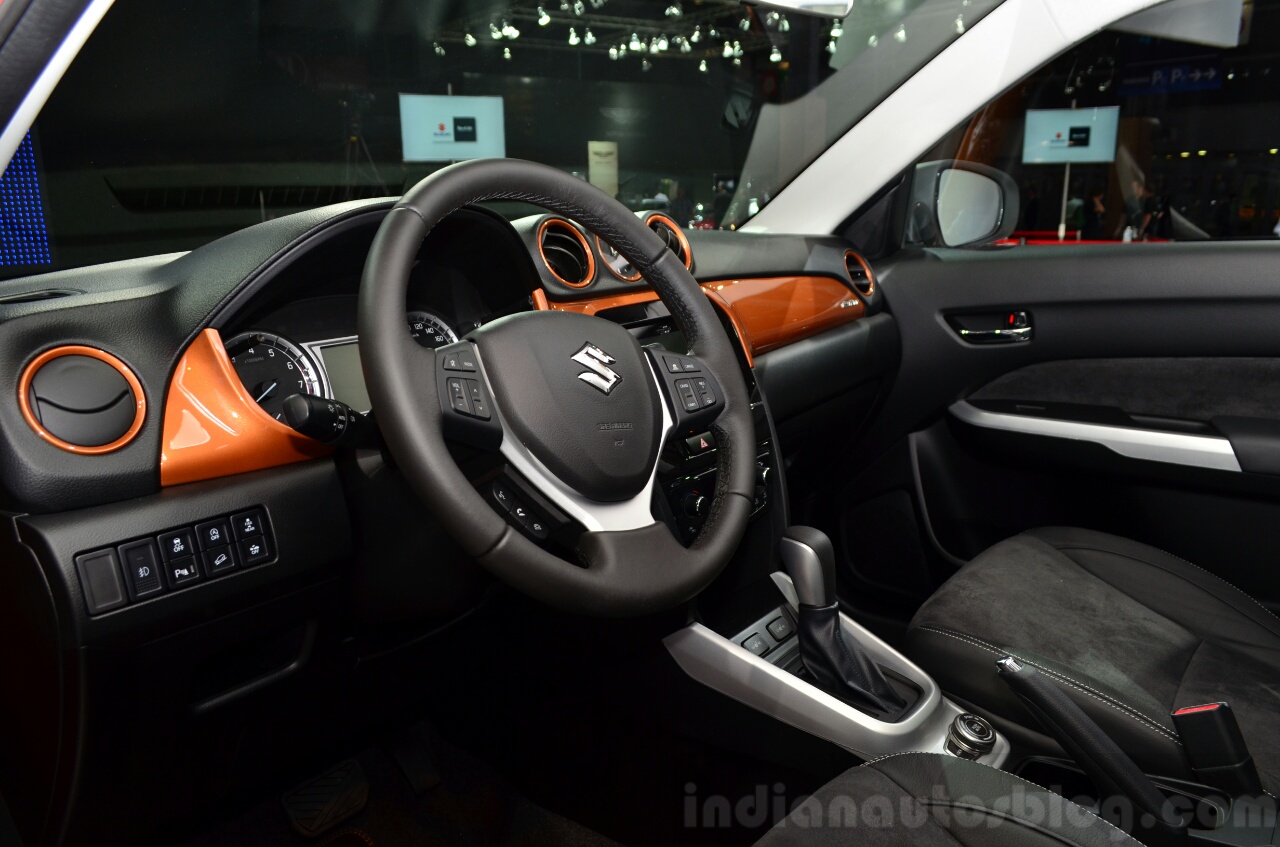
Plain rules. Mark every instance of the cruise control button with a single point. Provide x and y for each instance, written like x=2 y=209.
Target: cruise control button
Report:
x=780 y=629
x=182 y=571
x=218 y=561
x=248 y=524
x=178 y=544
x=690 y=366
x=141 y=569
x=688 y=398
x=213 y=534
x=254 y=551
x=756 y=644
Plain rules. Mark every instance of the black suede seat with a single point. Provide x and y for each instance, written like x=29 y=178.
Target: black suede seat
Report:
x=1128 y=631
x=935 y=800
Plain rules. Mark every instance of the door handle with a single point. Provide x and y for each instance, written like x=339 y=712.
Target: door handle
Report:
x=1012 y=327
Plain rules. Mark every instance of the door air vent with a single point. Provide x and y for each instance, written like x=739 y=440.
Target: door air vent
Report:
x=674 y=238
x=566 y=253
x=859 y=273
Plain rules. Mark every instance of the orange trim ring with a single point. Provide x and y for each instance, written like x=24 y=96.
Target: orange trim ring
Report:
x=680 y=236
x=586 y=249
x=24 y=389
x=213 y=428
x=866 y=268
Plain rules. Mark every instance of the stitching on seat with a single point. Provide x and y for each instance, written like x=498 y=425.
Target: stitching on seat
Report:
x=1005 y=773
x=1239 y=591
x=1105 y=699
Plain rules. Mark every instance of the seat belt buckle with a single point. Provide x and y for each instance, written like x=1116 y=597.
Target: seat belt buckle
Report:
x=1216 y=749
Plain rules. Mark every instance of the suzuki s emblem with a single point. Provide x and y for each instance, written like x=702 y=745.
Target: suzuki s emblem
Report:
x=599 y=374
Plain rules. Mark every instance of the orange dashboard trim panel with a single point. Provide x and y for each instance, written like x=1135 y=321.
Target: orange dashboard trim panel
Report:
x=213 y=428
x=767 y=313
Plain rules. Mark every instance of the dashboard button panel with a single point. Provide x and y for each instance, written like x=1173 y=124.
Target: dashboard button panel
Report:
x=138 y=569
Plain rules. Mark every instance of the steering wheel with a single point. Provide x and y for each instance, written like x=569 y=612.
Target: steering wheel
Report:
x=574 y=405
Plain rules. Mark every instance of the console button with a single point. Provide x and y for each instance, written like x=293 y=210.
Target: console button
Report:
x=254 y=551
x=755 y=644
x=780 y=629
x=248 y=524
x=100 y=578
x=182 y=572
x=141 y=569
x=178 y=544
x=699 y=444
x=218 y=561
x=215 y=533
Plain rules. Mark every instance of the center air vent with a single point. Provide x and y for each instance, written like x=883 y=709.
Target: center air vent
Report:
x=566 y=253
x=670 y=233
x=859 y=273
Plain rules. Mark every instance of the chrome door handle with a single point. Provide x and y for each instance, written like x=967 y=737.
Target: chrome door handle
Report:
x=996 y=336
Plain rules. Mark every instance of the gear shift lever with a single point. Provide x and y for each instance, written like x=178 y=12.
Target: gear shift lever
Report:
x=838 y=664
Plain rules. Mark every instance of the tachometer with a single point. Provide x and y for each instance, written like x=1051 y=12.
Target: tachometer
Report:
x=429 y=330
x=272 y=368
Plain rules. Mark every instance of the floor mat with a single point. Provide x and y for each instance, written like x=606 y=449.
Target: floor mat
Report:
x=473 y=805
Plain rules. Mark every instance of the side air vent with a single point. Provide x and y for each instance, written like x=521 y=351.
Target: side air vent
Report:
x=669 y=231
x=859 y=273
x=37 y=296
x=566 y=253
x=82 y=400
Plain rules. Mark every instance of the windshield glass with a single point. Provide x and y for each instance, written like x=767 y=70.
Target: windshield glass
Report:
x=182 y=121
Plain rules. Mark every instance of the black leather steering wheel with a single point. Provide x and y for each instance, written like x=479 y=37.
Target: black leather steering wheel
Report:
x=572 y=402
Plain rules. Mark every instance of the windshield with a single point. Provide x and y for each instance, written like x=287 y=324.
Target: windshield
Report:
x=182 y=121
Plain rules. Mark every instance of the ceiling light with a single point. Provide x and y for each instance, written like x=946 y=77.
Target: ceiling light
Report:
x=613 y=52
x=737 y=63
x=836 y=30
x=737 y=49
x=573 y=37
x=506 y=52
x=439 y=51
x=728 y=50
x=674 y=11
x=469 y=40
x=636 y=44
x=697 y=35
x=873 y=41
x=784 y=25
x=646 y=65
x=543 y=17
x=494 y=32
x=702 y=66
x=588 y=37
x=685 y=46
x=579 y=7
x=745 y=23
x=663 y=43
x=775 y=55
x=1202 y=152
x=959 y=24
x=901 y=35
x=1273 y=150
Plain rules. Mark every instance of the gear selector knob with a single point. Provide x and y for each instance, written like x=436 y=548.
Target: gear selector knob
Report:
x=810 y=559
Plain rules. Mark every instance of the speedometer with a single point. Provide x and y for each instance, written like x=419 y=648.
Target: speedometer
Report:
x=430 y=330
x=272 y=368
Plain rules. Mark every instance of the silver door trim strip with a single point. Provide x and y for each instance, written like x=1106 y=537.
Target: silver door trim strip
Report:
x=1174 y=448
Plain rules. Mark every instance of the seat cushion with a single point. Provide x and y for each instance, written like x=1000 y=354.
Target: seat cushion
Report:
x=935 y=800
x=1130 y=633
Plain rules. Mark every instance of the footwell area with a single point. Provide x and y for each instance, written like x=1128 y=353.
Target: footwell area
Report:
x=471 y=805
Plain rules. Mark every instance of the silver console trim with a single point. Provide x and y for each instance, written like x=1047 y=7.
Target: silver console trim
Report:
x=1175 y=448
x=735 y=672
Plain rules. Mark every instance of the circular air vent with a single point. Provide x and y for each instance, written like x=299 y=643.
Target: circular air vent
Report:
x=859 y=273
x=566 y=253
x=82 y=400
x=669 y=231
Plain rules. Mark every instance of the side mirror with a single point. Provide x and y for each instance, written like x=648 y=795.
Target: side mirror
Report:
x=817 y=8
x=960 y=204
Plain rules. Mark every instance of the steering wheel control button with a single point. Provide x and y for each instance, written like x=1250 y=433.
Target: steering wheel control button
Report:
x=182 y=572
x=141 y=564
x=100 y=578
x=970 y=737
x=754 y=643
x=215 y=533
x=688 y=397
x=459 y=397
x=178 y=544
x=459 y=360
x=218 y=561
x=479 y=405
x=254 y=551
x=247 y=524
x=502 y=496
x=780 y=629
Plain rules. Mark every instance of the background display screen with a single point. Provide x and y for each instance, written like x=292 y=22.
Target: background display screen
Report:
x=346 y=378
